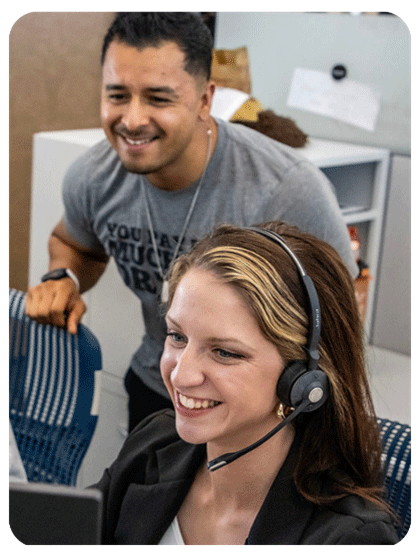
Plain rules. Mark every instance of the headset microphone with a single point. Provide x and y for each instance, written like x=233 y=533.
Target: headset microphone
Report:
x=302 y=385
x=231 y=456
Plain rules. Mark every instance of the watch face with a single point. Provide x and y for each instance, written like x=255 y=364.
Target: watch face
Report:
x=59 y=274
x=55 y=274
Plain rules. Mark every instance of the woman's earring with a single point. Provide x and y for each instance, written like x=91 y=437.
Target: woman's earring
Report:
x=283 y=411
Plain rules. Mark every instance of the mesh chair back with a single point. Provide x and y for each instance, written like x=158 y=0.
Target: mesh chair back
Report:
x=53 y=394
x=396 y=461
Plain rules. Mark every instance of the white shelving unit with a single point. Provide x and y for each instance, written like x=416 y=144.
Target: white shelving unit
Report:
x=359 y=175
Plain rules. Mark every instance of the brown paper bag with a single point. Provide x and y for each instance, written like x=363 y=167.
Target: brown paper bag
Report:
x=230 y=68
x=248 y=111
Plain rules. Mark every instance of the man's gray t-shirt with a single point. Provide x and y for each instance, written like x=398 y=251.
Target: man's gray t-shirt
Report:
x=250 y=179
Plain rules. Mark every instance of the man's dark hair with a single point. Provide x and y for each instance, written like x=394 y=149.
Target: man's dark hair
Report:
x=145 y=29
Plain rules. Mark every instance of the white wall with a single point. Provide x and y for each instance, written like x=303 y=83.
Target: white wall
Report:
x=375 y=50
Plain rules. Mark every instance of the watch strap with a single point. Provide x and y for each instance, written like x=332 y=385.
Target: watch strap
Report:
x=61 y=273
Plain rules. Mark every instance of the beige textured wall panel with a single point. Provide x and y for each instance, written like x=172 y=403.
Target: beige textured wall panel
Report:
x=54 y=85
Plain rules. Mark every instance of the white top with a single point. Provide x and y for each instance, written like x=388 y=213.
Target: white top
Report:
x=173 y=535
x=16 y=468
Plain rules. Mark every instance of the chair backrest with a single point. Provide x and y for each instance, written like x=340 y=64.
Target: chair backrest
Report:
x=53 y=394
x=396 y=462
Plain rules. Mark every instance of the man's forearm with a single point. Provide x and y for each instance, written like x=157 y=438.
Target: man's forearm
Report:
x=87 y=266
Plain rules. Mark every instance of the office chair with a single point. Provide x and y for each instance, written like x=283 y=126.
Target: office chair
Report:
x=396 y=462
x=53 y=394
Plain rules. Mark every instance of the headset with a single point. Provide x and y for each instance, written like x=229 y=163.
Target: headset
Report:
x=302 y=386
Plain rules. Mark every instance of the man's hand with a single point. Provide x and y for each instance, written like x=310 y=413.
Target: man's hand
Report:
x=56 y=302
x=59 y=301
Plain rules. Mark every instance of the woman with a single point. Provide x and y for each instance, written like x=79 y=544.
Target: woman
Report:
x=241 y=315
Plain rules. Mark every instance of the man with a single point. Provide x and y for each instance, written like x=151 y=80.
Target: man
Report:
x=166 y=175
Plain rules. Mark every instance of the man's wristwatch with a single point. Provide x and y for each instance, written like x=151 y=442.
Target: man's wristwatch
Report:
x=61 y=273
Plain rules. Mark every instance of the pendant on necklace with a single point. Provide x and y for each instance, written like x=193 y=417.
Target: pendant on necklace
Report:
x=164 y=296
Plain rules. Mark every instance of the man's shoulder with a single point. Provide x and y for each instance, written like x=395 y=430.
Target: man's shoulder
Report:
x=244 y=138
x=265 y=163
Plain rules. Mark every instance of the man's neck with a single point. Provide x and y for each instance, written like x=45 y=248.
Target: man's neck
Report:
x=179 y=176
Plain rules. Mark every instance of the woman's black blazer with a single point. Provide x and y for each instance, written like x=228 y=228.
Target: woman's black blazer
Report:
x=146 y=485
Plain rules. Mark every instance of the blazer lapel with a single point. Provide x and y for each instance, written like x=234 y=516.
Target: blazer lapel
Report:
x=284 y=514
x=283 y=517
x=148 y=509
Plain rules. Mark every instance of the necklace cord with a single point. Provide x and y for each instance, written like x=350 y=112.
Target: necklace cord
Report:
x=187 y=219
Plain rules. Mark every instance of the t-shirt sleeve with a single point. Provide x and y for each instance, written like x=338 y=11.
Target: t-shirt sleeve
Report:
x=313 y=207
x=77 y=200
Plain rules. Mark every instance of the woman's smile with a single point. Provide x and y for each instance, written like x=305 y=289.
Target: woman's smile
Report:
x=194 y=407
x=196 y=403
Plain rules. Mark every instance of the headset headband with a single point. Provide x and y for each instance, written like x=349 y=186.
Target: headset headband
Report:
x=313 y=309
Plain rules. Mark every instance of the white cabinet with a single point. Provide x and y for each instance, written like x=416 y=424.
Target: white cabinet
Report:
x=392 y=320
x=359 y=175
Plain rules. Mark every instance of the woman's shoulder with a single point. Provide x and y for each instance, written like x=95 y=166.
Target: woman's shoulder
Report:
x=153 y=436
x=164 y=416
x=157 y=429
x=154 y=451
x=353 y=520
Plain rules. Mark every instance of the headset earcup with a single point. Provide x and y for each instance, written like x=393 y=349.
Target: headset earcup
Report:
x=292 y=371
x=297 y=384
x=312 y=386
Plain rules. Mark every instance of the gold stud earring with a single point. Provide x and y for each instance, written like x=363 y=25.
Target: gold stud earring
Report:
x=283 y=411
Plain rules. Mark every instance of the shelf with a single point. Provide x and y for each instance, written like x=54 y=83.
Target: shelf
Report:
x=325 y=153
x=360 y=217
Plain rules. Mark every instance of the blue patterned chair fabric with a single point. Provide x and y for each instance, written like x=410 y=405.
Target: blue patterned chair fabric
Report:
x=396 y=462
x=53 y=394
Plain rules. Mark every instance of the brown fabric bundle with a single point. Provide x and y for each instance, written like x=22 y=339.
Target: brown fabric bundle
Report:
x=278 y=128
